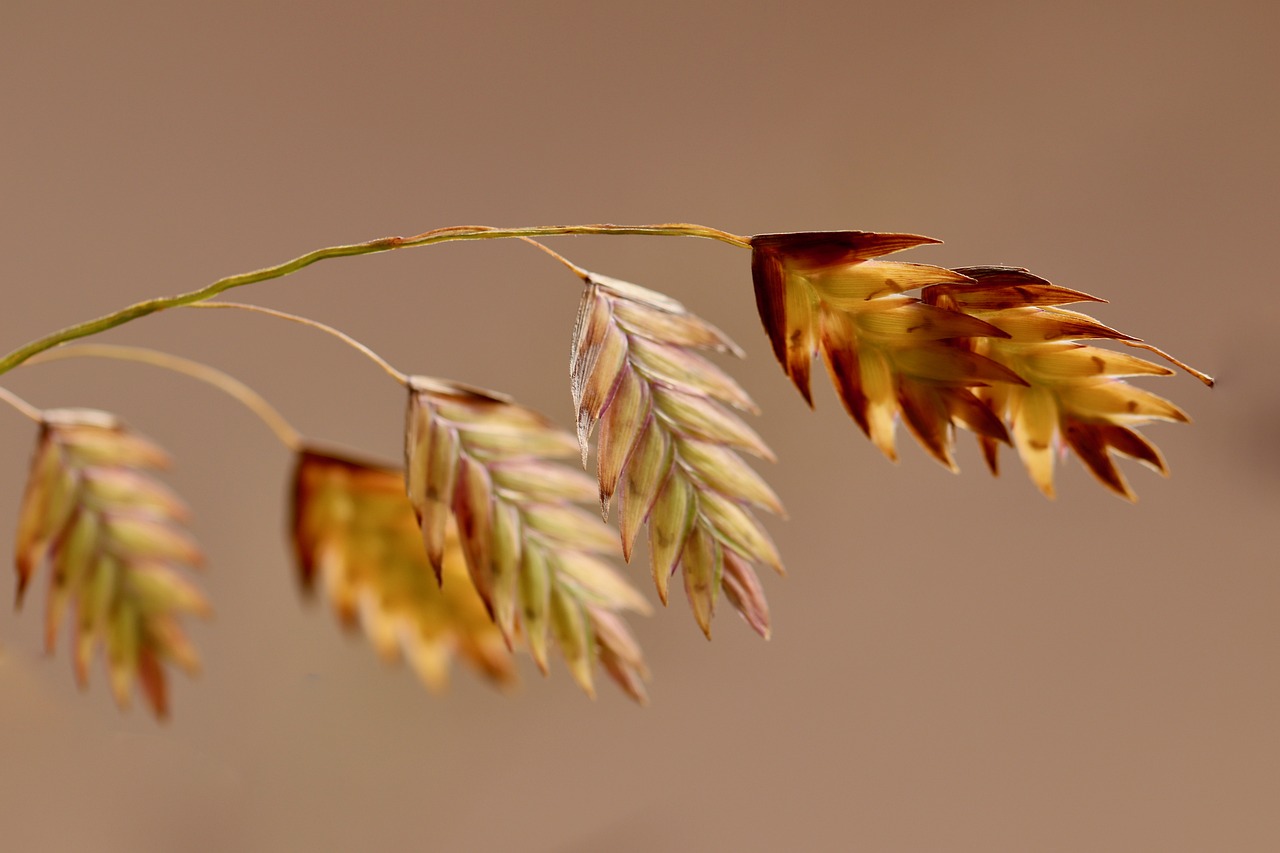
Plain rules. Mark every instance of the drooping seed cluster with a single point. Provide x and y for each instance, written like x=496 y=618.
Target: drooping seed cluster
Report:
x=537 y=558
x=355 y=536
x=111 y=536
x=666 y=445
x=986 y=348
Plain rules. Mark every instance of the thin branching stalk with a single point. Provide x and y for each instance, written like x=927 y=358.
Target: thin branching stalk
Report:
x=226 y=383
x=384 y=244
x=21 y=405
x=390 y=369
x=573 y=268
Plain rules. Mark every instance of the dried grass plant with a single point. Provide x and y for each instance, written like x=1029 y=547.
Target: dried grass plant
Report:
x=483 y=545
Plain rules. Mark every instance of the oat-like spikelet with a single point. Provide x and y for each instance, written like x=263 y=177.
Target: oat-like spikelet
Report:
x=110 y=534
x=667 y=445
x=537 y=558
x=355 y=535
x=888 y=354
x=1073 y=395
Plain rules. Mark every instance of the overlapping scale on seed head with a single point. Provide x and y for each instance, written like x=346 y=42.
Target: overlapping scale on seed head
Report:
x=355 y=537
x=667 y=445
x=888 y=355
x=1075 y=395
x=540 y=561
x=112 y=537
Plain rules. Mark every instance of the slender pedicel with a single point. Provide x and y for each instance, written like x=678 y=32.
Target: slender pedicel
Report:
x=226 y=383
x=397 y=375
x=573 y=268
x=21 y=405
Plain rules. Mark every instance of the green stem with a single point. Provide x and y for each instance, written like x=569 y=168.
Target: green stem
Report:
x=385 y=244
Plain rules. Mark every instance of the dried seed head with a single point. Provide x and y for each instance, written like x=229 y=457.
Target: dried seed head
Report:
x=1074 y=396
x=110 y=534
x=887 y=354
x=355 y=535
x=534 y=554
x=987 y=348
x=667 y=446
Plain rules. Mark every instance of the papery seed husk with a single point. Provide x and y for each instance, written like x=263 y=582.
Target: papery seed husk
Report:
x=623 y=421
x=1034 y=419
x=158 y=588
x=926 y=415
x=94 y=606
x=171 y=643
x=624 y=675
x=742 y=589
x=1120 y=402
x=141 y=537
x=500 y=445
x=721 y=469
x=646 y=469
x=635 y=293
x=441 y=481
x=817 y=250
x=601 y=355
x=542 y=482
x=97 y=446
x=879 y=387
x=942 y=364
x=851 y=287
x=598 y=580
x=738 y=529
x=46 y=508
x=683 y=330
x=473 y=508
x=670 y=521
x=121 y=488
x=535 y=603
x=699 y=418
x=154 y=685
x=574 y=636
x=1066 y=362
x=506 y=566
x=702 y=564
x=569 y=523
x=613 y=634
x=70 y=570
x=1091 y=447
x=123 y=642
x=688 y=372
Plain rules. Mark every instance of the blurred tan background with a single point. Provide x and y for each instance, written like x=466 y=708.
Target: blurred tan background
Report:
x=957 y=665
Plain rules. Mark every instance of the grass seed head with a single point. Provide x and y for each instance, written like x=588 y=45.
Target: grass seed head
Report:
x=536 y=557
x=111 y=536
x=667 y=442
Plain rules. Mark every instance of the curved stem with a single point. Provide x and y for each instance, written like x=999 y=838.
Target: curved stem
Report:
x=385 y=244
x=21 y=405
x=226 y=383
x=402 y=378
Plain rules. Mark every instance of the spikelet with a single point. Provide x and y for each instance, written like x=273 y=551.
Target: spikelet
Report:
x=1074 y=394
x=539 y=561
x=887 y=354
x=109 y=534
x=666 y=445
x=354 y=534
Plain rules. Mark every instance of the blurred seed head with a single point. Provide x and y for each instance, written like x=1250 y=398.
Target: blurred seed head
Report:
x=111 y=535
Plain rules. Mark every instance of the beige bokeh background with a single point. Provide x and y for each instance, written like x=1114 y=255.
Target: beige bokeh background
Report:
x=958 y=664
